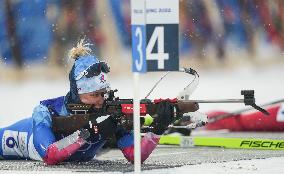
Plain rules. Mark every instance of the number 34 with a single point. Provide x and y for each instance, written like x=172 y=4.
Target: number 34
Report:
x=160 y=56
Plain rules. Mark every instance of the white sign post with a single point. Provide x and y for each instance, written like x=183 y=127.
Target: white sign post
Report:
x=138 y=65
x=155 y=47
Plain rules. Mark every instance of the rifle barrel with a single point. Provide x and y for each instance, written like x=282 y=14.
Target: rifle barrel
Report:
x=216 y=101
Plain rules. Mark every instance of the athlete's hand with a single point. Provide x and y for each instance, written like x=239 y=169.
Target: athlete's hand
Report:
x=103 y=125
x=165 y=116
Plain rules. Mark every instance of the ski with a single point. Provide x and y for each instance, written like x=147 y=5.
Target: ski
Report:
x=235 y=143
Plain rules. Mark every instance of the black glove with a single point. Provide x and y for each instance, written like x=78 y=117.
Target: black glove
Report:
x=103 y=125
x=165 y=116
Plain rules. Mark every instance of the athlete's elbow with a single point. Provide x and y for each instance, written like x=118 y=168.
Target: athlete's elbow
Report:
x=49 y=161
x=51 y=156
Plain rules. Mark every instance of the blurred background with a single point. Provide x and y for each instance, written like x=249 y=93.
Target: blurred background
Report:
x=215 y=36
x=36 y=35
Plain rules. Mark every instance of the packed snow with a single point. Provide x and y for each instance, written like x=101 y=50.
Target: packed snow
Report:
x=255 y=166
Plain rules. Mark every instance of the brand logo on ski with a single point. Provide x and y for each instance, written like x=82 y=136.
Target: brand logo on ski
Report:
x=263 y=144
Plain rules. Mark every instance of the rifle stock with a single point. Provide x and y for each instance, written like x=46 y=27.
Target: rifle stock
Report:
x=69 y=124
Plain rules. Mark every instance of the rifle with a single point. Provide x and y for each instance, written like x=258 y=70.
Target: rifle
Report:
x=122 y=109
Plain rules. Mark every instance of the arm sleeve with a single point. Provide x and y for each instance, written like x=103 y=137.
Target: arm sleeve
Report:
x=50 y=150
x=148 y=144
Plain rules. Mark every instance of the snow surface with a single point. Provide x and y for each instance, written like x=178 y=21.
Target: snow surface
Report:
x=19 y=98
x=255 y=166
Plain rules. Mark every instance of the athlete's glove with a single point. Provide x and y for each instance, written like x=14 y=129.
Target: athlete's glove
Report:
x=103 y=125
x=165 y=116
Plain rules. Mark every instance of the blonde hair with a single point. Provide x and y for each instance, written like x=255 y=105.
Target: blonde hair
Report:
x=81 y=49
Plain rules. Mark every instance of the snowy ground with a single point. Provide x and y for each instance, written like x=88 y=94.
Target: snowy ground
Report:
x=18 y=99
x=255 y=166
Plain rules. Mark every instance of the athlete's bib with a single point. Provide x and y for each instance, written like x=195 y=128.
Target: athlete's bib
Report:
x=15 y=143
